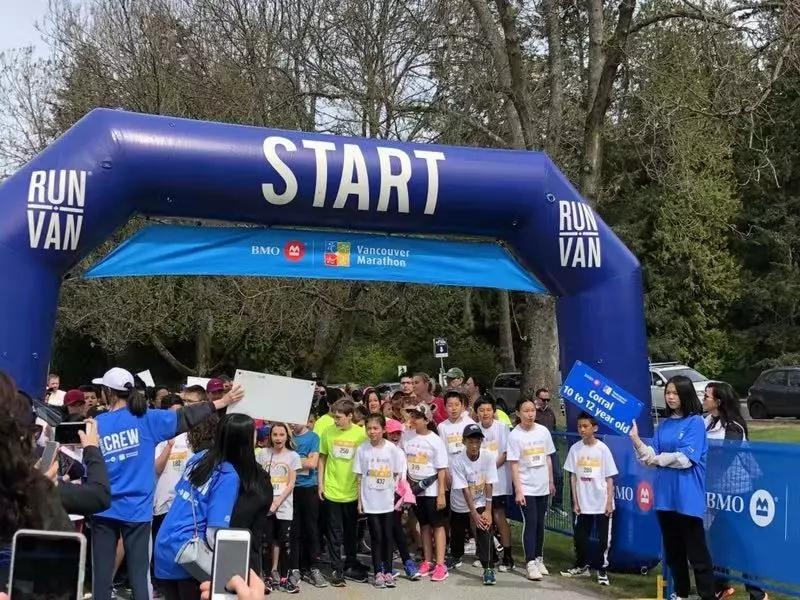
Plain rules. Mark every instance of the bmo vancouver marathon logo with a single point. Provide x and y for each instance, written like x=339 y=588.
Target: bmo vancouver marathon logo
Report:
x=55 y=209
x=578 y=235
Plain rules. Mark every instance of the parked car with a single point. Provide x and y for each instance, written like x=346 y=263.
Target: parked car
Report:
x=506 y=388
x=392 y=387
x=776 y=393
x=660 y=372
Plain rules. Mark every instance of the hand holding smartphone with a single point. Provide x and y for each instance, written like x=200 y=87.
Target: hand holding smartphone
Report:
x=48 y=456
x=231 y=557
x=68 y=433
x=47 y=564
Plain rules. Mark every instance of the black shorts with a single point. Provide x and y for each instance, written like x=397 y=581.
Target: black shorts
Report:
x=276 y=531
x=428 y=514
x=500 y=501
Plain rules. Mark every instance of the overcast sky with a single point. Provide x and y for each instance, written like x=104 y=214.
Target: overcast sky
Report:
x=18 y=20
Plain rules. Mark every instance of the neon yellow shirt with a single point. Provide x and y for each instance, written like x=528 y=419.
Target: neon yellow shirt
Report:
x=501 y=416
x=322 y=424
x=339 y=448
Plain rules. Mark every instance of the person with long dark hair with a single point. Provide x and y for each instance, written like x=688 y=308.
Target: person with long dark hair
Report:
x=204 y=501
x=129 y=433
x=678 y=453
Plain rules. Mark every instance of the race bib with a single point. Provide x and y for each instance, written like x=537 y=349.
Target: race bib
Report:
x=417 y=462
x=478 y=488
x=304 y=472
x=177 y=459
x=455 y=443
x=344 y=449
x=491 y=446
x=534 y=456
x=588 y=468
x=380 y=479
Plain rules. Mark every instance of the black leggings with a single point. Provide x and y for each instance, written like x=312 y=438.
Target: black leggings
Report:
x=533 y=526
x=684 y=543
x=380 y=534
x=400 y=536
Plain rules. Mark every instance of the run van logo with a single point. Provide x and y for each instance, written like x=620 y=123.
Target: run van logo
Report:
x=578 y=235
x=762 y=508
x=56 y=200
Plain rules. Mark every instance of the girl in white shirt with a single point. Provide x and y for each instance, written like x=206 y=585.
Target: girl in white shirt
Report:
x=377 y=466
x=530 y=450
x=282 y=463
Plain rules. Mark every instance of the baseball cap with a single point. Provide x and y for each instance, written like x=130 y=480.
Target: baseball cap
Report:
x=116 y=379
x=473 y=430
x=394 y=426
x=215 y=385
x=422 y=410
x=73 y=397
x=262 y=433
x=454 y=373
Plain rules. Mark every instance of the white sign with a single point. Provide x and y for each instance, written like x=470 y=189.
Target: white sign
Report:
x=273 y=398
x=401 y=370
x=201 y=381
x=147 y=378
x=440 y=348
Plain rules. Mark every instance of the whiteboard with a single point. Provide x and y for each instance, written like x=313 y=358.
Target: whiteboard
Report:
x=201 y=381
x=273 y=398
x=147 y=378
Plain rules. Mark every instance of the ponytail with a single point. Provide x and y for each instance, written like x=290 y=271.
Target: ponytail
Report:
x=136 y=401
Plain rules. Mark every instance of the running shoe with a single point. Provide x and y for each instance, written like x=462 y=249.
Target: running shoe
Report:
x=534 y=574
x=508 y=564
x=542 y=569
x=602 y=577
x=355 y=574
x=451 y=562
x=390 y=579
x=469 y=548
x=379 y=581
x=488 y=577
x=337 y=580
x=412 y=570
x=439 y=573
x=576 y=572
x=275 y=581
x=727 y=592
x=289 y=587
x=477 y=564
x=316 y=578
x=425 y=568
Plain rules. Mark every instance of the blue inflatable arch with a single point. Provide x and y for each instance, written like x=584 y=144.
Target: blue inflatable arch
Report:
x=113 y=164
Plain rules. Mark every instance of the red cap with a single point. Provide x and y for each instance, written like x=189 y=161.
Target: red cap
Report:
x=215 y=385
x=73 y=397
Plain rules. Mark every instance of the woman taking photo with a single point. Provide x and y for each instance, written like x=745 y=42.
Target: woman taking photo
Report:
x=204 y=500
x=129 y=434
x=679 y=454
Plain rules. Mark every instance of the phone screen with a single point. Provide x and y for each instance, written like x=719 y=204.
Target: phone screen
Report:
x=46 y=567
x=231 y=557
x=48 y=455
x=67 y=433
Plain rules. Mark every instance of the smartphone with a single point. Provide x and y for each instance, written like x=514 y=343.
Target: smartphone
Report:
x=47 y=564
x=231 y=557
x=67 y=433
x=48 y=456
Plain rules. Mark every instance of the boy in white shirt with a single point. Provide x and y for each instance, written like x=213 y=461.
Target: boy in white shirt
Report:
x=592 y=470
x=473 y=473
x=452 y=430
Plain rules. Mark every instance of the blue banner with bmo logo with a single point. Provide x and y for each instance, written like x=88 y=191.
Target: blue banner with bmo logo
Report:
x=593 y=393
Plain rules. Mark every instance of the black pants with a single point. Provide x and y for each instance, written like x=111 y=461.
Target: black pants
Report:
x=583 y=531
x=399 y=536
x=157 y=521
x=342 y=530
x=380 y=536
x=135 y=540
x=305 y=542
x=533 y=526
x=684 y=543
x=179 y=589
x=459 y=523
x=277 y=534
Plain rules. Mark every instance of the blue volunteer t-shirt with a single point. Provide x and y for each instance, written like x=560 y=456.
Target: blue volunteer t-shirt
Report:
x=682 y=490
x=213 y=505
x=306 y=444
x=128 y=445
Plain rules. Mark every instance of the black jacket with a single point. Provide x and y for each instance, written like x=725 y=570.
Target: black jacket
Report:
x=251 y=512
x=94 y=494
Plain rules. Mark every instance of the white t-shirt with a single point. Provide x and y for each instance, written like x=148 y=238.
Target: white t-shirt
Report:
x=474 y=475
x=530 y=450
x=279 y=465
x=56 y=398
x=425 y=455
x=176 y=463
x=715 y=433
x=378 y=466
x=591 y=466
x=495 y=441
x=452 y=433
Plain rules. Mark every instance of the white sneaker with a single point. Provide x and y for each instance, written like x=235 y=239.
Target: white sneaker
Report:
x=469 y=548
x=534 y=574
x=477 y=564
x=540 y=564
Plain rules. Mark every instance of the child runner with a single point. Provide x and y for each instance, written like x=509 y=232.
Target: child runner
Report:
x=304 y=537
x=495 y=441
x=426 y=456
x=473 y=473
x=402 y=497
x=592 y=469
x=377 y=466
x=530 y=448
x=337 y=486
x=452 y=429
x=281 y=462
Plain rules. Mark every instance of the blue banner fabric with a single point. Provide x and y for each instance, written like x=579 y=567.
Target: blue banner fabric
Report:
x=178 y=250
x=591 y=392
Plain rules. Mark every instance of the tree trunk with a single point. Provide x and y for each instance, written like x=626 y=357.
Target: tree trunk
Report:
x=469 y=315
x=540 y=362
x=507 y=358
x=203 y=344
x=555 y=68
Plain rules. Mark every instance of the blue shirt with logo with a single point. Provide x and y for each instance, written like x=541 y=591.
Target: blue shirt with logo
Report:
x=306 y=443
x=213 y=505
x=682 y=490
x=128 y=445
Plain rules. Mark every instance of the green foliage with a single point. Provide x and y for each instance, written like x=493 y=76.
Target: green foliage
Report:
x=367 y=363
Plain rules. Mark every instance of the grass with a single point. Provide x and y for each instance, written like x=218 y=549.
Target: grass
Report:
x=789 y=433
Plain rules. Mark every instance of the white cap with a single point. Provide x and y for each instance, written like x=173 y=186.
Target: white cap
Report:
x=116 y=379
